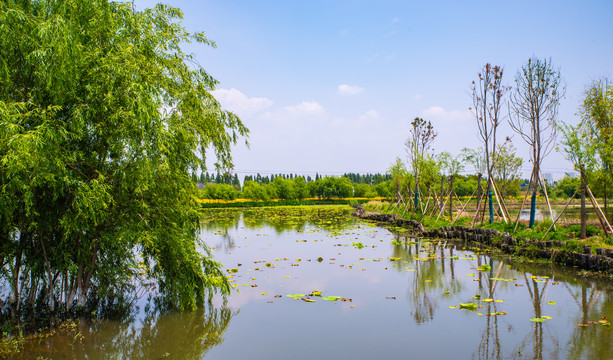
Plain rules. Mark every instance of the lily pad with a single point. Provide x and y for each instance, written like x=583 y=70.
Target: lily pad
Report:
x=295 y=295
x=468 y=306
x=484 y=267
x=537 y=320
x=330 y=298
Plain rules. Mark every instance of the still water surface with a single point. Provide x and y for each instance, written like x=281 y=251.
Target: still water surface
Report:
x=405 y=297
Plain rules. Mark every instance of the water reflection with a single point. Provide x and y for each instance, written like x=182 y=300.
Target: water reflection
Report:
x=435 y=279
x=570 y=213
x=281 y=219
x=404 y=291
x=188 y=335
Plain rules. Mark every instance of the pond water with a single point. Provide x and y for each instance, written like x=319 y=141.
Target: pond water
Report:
x=570 y=213
x=398 y=297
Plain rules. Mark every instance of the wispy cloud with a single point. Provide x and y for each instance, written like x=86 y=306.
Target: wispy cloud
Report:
x=236 y=101
x=306 y=107
x=345 y=89
x=369 y=115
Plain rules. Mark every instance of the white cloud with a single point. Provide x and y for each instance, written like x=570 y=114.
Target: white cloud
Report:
x=369 y=115
x=345 y=89
x=438 y=113
x=234 y=100
x=306 y=107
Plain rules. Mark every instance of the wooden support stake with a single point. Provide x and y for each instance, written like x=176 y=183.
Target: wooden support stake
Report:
x=523 y=202
x=479 y=201
x=463 y=207
x=502 y=202
x=601 y=216
x=504 y=217
x=560 y=215
x=442 y=209
x=405 y=205
x=542 y=180
x=427 y=205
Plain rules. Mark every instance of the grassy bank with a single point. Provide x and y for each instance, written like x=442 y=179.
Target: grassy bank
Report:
x=568 y=232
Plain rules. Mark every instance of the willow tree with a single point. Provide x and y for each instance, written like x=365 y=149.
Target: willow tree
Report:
x=597 y=114
x=103 y=119
x=533 y=111
x=580 y=150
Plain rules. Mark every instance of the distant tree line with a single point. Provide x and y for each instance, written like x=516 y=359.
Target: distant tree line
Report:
x=294 y=187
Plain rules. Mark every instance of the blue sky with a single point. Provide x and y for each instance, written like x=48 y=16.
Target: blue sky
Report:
x=331 y=86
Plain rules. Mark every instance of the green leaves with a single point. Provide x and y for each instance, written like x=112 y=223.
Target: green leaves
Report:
x=104 y=118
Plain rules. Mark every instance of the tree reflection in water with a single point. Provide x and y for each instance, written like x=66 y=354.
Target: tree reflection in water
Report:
x=428 y=259
x=185 y=335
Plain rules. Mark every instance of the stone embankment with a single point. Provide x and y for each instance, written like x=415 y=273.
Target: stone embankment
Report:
x=551 y=250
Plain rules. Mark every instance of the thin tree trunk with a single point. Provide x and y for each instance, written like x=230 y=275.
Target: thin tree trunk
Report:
x=478 y=199
x=441 y=206
x=451 y=198
x=523 y=203
x=49 y=294
x=14 y=298
x=606 y=210
x=583 y=213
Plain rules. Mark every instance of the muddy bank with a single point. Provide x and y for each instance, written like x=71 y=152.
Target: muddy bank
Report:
x=550 y=250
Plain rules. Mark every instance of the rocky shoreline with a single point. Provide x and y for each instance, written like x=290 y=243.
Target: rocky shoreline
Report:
x=602 y=261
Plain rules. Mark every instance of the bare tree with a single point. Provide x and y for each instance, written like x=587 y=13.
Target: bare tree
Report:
x=487 y=94
x=421 y=136
x=533 y=111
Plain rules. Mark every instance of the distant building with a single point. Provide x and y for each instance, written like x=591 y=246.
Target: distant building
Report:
x=571 y=175
x=548 y=177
